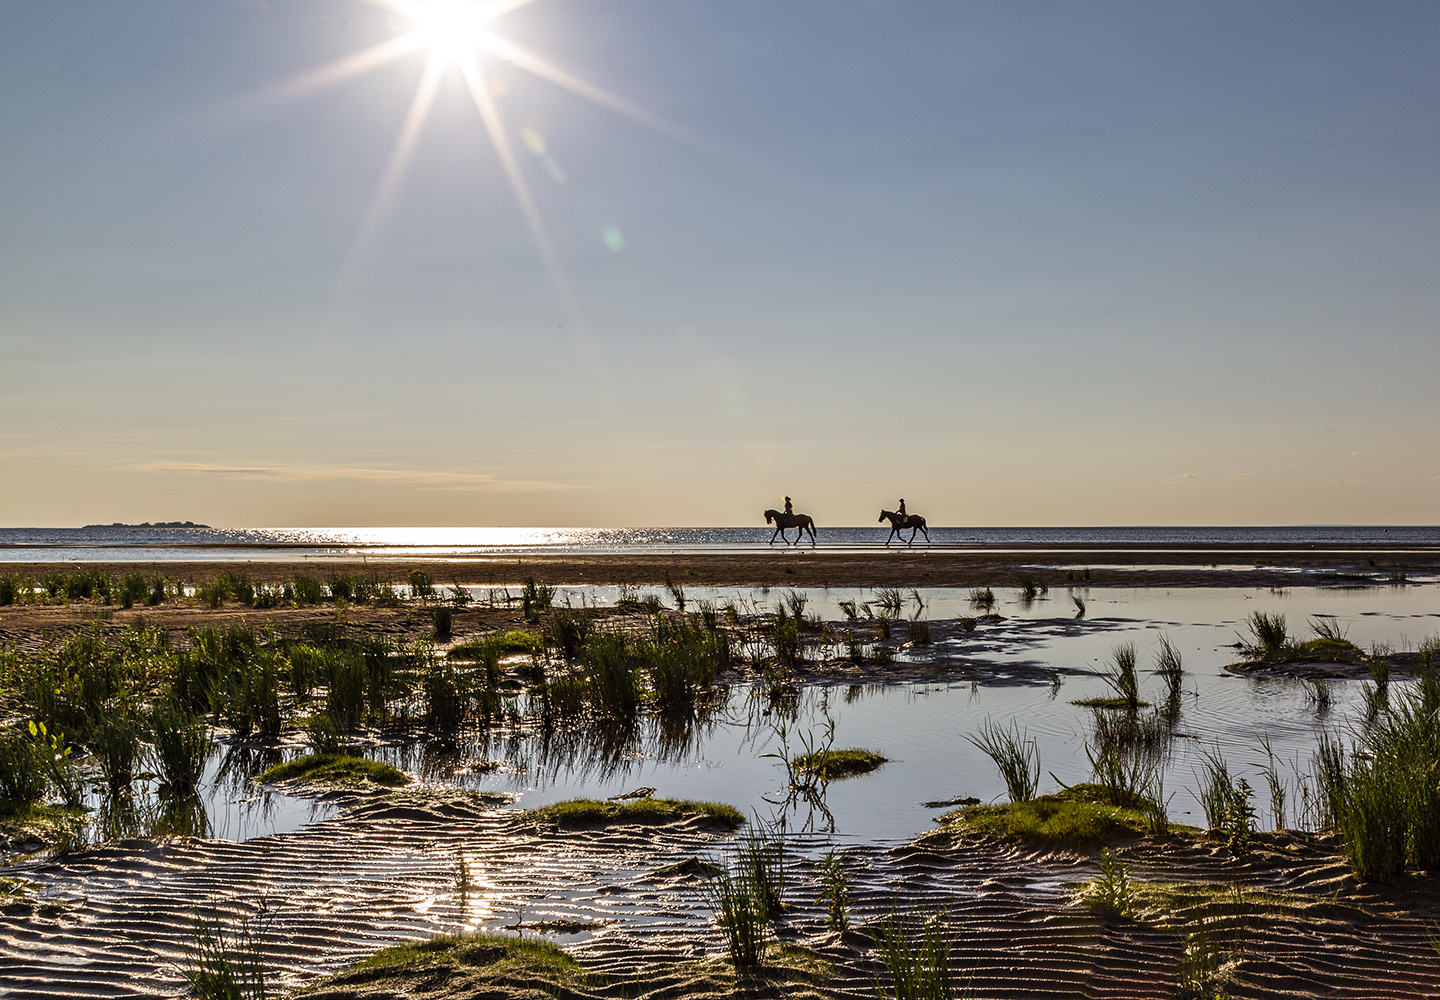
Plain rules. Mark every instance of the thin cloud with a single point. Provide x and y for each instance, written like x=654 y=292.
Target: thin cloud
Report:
x=431 y=480
x=1184 y=479
x=1236 y=474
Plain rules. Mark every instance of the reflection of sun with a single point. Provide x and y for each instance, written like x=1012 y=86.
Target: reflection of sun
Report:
x=458 y=36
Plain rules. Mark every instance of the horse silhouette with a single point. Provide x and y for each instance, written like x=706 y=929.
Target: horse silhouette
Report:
x=898 y=522
x=784 y=522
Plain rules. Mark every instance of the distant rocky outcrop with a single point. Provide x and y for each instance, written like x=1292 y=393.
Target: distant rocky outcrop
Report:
x=149 y=524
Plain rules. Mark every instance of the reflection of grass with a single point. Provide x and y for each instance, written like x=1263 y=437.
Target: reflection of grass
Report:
x=832 y=765
x=1078 y=817
x=598 y=812
x=335 y=769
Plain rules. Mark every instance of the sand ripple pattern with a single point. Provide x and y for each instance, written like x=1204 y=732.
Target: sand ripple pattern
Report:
x=116 y=921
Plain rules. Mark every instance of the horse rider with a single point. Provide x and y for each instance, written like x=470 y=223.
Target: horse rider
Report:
x=790 y=509
x=901 y=511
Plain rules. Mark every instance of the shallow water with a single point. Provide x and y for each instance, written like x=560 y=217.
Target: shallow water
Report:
x=922 y=727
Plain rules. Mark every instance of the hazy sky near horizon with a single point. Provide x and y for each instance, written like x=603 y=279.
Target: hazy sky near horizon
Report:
x=1045 y=263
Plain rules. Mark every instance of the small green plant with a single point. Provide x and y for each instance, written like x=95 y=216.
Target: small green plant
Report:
x=1168 y=667
x=835 y=890
x=916 y=954
x=1238 y=821
x=1014 y=753
x=1112 y=891
x=966 y=623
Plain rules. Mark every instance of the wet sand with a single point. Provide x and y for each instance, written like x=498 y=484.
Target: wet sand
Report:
x=116 y=921
x=804 y=566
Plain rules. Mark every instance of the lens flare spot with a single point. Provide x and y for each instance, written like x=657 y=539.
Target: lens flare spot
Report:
x=534 y=141
x=614 y=239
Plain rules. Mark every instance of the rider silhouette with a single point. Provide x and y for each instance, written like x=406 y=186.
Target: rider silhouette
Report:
x=901 y=511
x=789 y=509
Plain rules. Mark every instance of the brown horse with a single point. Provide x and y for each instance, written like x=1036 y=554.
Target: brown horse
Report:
x=784 y=522
x=899 y=522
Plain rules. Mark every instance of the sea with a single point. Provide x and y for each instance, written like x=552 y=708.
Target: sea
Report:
x=199 y=543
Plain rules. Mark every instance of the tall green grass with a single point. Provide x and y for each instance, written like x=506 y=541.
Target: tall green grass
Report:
x=1014 y=753
x=1121 y=676
x=915 y=951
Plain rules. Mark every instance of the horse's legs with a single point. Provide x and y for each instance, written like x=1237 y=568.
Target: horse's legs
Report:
x=927 y=532
x=772 y=537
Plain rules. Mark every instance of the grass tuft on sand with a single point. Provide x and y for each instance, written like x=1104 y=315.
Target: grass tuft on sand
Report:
x=522 y=968
x=599 y=812
x=335 y=769
x=835 y=765
x=1078 y=817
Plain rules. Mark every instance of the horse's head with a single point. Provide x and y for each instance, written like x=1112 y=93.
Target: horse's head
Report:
x=769 y=516
x=883 y=512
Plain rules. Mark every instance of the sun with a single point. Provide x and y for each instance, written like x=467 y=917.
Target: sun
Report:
x=460 y=37
x=453 y=30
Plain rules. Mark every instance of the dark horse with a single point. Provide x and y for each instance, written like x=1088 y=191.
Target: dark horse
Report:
x=784 y=522
x=899 y=522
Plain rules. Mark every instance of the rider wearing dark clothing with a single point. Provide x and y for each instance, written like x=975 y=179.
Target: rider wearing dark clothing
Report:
x=901 y=511
x=789 y=509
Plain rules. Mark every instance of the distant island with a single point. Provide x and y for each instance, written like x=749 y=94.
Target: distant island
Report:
x=147 y=524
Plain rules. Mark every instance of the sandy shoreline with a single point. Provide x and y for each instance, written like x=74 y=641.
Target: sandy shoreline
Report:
x=1110 y=566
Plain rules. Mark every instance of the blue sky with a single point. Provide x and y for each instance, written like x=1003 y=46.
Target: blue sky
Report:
x=1056 y=263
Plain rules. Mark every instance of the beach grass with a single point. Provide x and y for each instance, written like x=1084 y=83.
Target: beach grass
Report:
x=1014 y=753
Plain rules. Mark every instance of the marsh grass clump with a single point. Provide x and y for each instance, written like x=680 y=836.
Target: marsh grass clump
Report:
x=1079 y=817
x=573 y=813
x=738 y=902
x=612 y=667
x=919 y=632
x=915 y=952
x=890 y=601
x=422 y=585
x=1014 y=753
x=1030 y=588
x=308 y=589
x=535 y=599
x=836 y=765
x=180 y=746
x=1270 y=640
x=1122 y=678
x=1168 y=668
x=568 y=631
x=1079 y=603
x=229 y=964
x=335 y=769
x=982 y=598
x=1384 y=797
